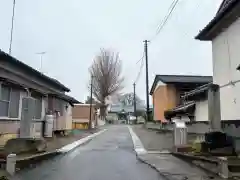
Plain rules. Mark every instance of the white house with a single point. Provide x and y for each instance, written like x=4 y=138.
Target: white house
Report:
x=224 y=32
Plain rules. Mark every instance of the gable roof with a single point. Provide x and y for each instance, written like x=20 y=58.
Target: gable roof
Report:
x=175 y=79
x=224 y=4
x=228 y=12
x=28 y=68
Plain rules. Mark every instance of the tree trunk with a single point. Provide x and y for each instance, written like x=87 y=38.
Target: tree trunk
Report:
x=103 y=112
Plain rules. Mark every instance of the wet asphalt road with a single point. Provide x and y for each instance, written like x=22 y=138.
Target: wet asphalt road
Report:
x=109 y=156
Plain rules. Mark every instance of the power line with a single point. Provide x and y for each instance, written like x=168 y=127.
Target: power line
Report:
x=169 y=9
x=140 y=59
x=166 y=18
x=140 y=70
x=159 y=29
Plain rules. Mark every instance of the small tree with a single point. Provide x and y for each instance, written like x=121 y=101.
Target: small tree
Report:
x=88 y=101
x=106 y=77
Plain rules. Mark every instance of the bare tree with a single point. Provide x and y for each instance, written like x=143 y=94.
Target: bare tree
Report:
x=106 y=77
x=128 y=99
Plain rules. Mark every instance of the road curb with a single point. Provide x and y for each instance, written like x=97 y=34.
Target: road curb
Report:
x=34 y=159
x=153 y=167
x=189 y=159
x=138 y=146
x=141 y=151
x=79 y=142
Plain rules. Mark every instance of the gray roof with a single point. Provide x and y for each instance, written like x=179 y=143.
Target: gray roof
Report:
x=174 y=79
x=67 y=98
x=184 y=79
x=224 y=5
x=12 y=60
x=228 y=12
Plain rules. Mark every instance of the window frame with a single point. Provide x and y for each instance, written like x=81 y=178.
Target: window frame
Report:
x=19 y=105
x=36 y=98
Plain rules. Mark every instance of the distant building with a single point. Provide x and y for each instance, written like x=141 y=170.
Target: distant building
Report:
x=81 y=116
x=121 y=111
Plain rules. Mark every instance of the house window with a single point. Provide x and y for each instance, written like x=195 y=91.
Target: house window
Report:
x=38 y=109
x=38 y=106
x=9 y=102
x=59 y=106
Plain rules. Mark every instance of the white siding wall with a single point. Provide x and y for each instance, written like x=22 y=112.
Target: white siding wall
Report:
x=201 y=111
x=226 y=58
x=69 y=117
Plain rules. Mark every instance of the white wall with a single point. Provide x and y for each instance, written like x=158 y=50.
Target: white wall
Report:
x=226 y=58
x=64 y=122
x=68 y=116
x=160 y=83
x=201 y=110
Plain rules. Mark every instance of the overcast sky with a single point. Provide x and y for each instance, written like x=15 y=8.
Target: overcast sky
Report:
x=73 y=31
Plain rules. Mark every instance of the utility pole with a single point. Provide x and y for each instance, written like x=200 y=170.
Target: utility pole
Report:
x=147 y=87
x=41 y=60
x=90 y=112
x=134 y=99
x=12 y=27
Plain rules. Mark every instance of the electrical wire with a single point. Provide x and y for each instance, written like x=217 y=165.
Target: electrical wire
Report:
x=140 y=70
x=169 y=9
x=166 y=18
x=159 y=29
x=140 y=58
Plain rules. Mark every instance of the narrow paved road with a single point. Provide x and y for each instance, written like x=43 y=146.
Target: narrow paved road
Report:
x=109 y=156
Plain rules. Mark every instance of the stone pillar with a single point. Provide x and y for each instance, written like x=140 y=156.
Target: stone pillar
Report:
x=214 y=109
x=11 y=164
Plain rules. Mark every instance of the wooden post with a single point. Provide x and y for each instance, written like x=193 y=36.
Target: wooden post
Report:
x=214 y=108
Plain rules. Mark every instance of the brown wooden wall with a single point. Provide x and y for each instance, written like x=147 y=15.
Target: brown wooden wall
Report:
x=164 y=97
x=82 y=112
